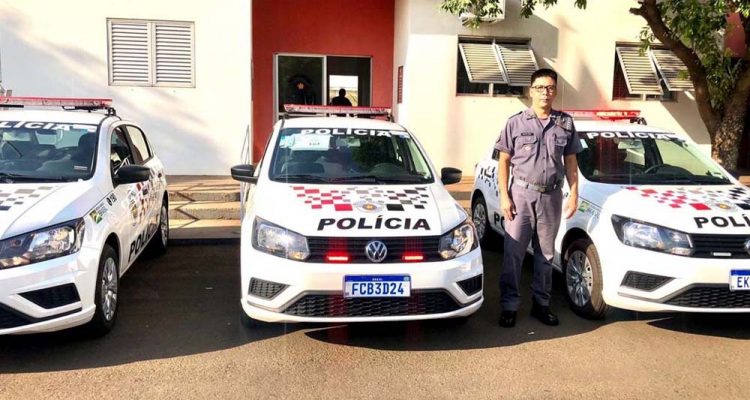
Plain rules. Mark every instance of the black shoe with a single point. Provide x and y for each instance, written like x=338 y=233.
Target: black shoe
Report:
x=543 y=314
x=507 y=319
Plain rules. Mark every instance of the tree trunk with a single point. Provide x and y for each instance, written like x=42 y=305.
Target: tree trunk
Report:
x=726 y=139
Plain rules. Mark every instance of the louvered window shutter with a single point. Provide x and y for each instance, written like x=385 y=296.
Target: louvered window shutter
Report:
x=519 y=63
x=129 y=53
x=482 y=63
x=173 y=54
x=670 y=67
x=639 y=71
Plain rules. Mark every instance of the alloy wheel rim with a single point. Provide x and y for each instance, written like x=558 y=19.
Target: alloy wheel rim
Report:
x=480 y=219
x=109 y=289
x=579 y=278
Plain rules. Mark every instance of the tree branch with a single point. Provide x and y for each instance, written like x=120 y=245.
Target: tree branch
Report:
x=650 y=12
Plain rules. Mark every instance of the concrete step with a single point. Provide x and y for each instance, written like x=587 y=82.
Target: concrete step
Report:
x=204 y=195
x=199 y=210
x=190 y=229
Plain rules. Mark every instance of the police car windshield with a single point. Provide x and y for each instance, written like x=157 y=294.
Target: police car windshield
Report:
x=348 y=155
x=46 y=151
x=646 y=158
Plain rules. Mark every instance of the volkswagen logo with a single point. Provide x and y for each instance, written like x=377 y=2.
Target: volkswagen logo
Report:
x=747 y=246
x=376 y=251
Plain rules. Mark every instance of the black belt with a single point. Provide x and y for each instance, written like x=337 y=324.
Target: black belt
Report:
x=539 y=188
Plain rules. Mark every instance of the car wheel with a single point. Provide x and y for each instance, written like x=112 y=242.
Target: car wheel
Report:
x=487 y=236
x=106 y=293
x=583 y=280
x=158 y=244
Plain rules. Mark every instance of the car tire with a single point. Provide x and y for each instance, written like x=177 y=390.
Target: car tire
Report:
x=582 y=278
x=106 y=293
x=159 y=242
x=488 y=238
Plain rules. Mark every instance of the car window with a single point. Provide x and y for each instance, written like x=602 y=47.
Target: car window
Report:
x=141 y=151
x=120 y=153
x=62 y=151
x=348 y=155
x=644 y=157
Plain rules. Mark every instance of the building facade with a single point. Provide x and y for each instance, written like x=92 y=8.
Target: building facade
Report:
x=203 y=78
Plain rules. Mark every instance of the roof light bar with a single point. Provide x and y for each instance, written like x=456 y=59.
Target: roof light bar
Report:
x=315 y=109
x=65 y=102
x=610 y=115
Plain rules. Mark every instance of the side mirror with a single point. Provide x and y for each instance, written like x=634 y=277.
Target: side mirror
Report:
x=450 y=175
x=244 y=173
x=132 y=174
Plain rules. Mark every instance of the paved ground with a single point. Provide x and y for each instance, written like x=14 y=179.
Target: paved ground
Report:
x=178 y=337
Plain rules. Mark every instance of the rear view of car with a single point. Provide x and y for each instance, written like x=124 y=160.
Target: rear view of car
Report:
x=345 y=220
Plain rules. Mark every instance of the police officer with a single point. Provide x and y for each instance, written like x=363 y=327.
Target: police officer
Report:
x=541 y=145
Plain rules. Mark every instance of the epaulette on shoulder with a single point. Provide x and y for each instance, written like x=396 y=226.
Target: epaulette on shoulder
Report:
x=565 y=121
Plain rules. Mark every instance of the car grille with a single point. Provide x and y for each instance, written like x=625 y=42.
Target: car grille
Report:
x=265 y=289
x=641 y=281
x=53 y=297
x=9 y=319
x=706 y=245
x=472 y=285
x=711 y=297
x=422 y=302
x=355 y=247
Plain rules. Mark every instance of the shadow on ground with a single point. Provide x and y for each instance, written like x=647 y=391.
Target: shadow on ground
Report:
x=186 y=303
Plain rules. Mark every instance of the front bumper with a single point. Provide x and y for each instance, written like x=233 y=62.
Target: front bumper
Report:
x=50 y=295
x=313 y=292
x=674 y=283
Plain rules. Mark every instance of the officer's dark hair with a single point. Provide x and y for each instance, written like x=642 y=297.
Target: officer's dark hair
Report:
x=544 y=73
x=342 y=92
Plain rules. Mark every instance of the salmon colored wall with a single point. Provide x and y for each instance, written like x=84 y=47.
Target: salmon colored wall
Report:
x=332 y=27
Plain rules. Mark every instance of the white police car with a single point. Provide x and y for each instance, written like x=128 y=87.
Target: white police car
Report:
x=660 y=226
x=347 y=221
x=81 y=196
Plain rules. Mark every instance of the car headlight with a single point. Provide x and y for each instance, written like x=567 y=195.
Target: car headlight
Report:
x=458 y=241
x=652 y=237
x=44 y=244
x=273 y=239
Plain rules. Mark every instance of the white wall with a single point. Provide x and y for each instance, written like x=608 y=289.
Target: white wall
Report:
x=59 y=48
x=578 y=44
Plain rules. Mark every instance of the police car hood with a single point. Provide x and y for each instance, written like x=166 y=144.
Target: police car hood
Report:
x=26 y=207
x=723 y=209
x=359 y=210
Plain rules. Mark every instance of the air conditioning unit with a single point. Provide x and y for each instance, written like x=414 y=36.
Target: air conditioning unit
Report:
x=467 y=17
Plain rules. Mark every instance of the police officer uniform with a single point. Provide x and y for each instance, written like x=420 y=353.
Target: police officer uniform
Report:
x=536 y=157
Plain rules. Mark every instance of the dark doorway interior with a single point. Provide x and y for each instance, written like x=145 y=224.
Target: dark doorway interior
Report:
x=744 y=161
x=352 y=74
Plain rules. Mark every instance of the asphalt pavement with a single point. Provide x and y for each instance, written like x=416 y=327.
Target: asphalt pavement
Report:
x=178 y=336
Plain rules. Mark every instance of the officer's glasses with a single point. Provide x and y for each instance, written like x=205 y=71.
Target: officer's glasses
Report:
x=542 y=89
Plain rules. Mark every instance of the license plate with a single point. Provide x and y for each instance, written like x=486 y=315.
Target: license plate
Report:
x=377 y=286
x=739 y=279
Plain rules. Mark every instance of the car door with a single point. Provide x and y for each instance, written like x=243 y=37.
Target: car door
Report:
x=148 y=193
x=487 y=174
x=124 y=195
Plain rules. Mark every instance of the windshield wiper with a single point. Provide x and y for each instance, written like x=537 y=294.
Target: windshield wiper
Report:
x=302 y=177
x=368 y=178
x=10 y=178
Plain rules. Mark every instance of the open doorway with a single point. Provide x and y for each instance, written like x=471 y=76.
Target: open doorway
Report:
x=317 y=79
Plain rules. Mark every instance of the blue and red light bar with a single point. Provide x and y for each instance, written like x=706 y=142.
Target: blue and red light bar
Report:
x=316 y=109
x=609 y=115
x=65 y=102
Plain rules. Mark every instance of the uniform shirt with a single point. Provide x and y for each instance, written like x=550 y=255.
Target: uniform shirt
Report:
x=536 y=151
